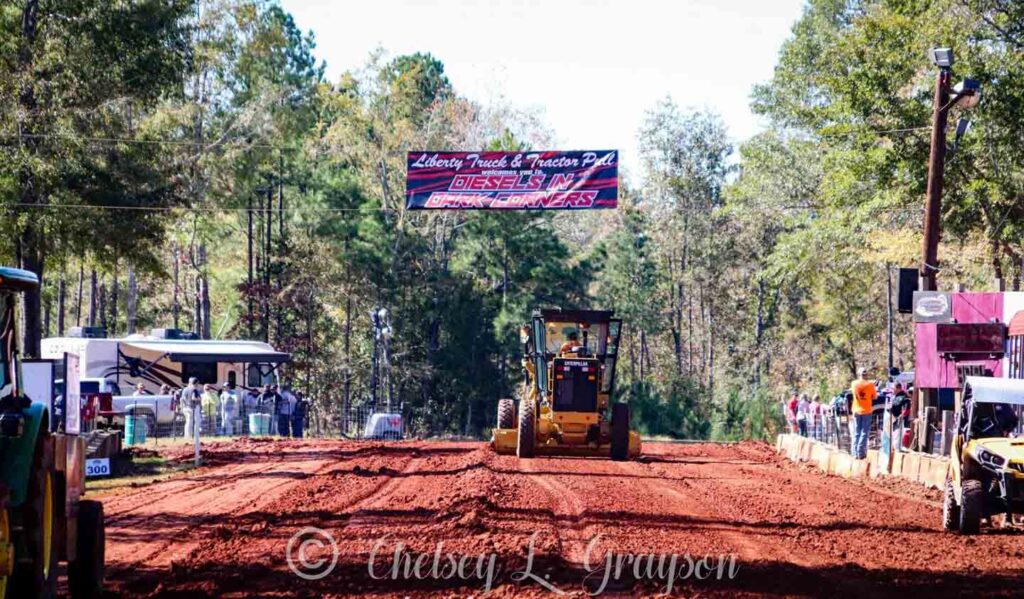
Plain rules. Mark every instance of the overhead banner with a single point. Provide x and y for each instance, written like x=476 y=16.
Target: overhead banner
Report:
x=583 y=180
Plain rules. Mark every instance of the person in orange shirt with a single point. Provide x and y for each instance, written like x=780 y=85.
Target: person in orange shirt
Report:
x=864 y=394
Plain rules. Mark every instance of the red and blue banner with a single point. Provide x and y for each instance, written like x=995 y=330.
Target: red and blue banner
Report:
x=582 y=180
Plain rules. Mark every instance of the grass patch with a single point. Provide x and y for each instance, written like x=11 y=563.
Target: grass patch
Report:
x=138 y=471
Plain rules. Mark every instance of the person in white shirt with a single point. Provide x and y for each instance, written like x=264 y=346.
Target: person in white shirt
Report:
x=285 y=407
x=228 y=408
x=803 y=414
x=190 y=403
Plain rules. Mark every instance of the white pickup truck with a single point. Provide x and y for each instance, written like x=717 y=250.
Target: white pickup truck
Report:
x=159 y=410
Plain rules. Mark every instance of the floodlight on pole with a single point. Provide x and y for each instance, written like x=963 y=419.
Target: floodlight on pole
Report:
x=967 y=93
x=942 y=57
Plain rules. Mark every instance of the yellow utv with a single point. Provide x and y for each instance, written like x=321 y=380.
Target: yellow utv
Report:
x=986 y=464
x=566 y=404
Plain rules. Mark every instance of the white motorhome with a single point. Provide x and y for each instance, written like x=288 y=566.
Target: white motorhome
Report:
x=164 y=357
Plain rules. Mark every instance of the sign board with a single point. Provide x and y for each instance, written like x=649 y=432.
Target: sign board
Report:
x=970 y=338
x=37 y=383
x=932 y=306
x=580 y=180
x=72 y=395
x=97 y=467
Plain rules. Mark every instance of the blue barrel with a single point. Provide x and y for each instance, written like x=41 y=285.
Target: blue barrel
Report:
x=259 y=424
x=136 y=429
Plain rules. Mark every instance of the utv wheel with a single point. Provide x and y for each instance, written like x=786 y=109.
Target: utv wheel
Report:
x=971 y=507
x=950 y=510
x=526 y=439
x=620 y=432
x=35 y=554
x=506 y=413
x=85 y=574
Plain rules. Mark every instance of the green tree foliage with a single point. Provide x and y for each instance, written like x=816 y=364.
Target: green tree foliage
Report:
x=169 y=148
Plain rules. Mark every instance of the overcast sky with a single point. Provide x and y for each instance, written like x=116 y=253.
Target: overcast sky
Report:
x=593 y=66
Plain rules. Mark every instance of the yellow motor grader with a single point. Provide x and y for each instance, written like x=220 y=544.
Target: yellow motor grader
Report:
x=566 y=405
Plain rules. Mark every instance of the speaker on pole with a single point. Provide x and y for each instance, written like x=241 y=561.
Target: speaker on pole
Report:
x=908 y=285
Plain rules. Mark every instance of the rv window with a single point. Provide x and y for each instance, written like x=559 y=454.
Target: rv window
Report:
x=205 y=372
x=89 y=387
x=233 y=377
x=252 y=376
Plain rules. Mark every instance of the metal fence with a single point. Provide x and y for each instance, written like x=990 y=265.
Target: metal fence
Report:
x=144 y=422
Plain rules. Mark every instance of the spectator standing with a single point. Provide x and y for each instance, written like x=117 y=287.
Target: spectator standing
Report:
x=803 y=414
x=211 y=403
x=299 y=415
x=900 y=409
x=228 y=408
x=817 y=418
x=140 y=390
x=190 y=402
x=864 y=393
x=790 y=408
x=285 y=407
x=268 y=405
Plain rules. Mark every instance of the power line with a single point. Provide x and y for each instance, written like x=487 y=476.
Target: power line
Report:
x=236 y=143
x=209 y=209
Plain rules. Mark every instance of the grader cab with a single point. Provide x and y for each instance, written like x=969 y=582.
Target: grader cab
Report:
x=566 y=406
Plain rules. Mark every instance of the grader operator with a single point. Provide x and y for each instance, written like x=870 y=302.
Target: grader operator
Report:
x=567 y=405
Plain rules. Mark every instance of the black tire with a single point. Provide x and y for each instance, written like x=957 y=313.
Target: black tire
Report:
x=950 y=509
x=35 y=574
x=971 y=507
x=506 y=413
x=526 y=439
x=620 y=432
x=85 y=574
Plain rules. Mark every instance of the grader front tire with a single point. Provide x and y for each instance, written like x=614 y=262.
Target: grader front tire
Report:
x=506 y=413
x=526 y=439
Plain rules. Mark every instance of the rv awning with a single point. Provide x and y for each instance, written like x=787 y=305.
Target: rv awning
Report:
x=212 y=351
x=993 y=390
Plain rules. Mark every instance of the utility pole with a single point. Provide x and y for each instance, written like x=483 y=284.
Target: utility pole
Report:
x=936 y=168
x=965 y=95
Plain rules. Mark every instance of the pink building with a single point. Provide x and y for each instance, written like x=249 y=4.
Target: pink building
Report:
x=966 y=333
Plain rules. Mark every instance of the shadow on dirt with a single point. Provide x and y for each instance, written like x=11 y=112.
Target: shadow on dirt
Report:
x=197 y=578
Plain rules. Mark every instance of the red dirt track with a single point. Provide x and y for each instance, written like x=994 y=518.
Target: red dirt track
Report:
x=223 y=530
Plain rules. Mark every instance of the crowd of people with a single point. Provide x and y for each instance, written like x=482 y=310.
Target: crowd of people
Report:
x=809 y=417
x=226 y=411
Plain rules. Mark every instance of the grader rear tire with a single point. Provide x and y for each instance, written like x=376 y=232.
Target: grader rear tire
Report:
x=971 y=507
x=506 y=413
x=526 y=440
x=620 y=432
x=950 y=510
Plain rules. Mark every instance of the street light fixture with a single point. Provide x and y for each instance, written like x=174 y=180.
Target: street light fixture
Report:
x=967 y=93
x=942 y=57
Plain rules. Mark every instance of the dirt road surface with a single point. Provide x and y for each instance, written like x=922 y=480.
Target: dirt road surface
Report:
x=737 y=516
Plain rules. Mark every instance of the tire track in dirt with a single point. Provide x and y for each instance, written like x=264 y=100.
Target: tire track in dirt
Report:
x=569 y=514
x=209 y=500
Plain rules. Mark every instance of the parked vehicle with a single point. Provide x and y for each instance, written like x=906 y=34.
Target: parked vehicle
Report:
x=986 y=465
x=158 y=410
x=166 y=356
x=43 y=518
